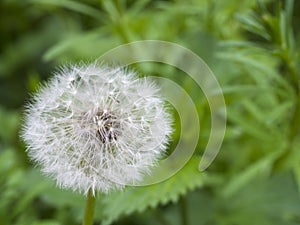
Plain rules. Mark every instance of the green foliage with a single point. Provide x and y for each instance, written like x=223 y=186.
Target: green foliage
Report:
x=270 y=202
x=169 y=191
x=252 y=47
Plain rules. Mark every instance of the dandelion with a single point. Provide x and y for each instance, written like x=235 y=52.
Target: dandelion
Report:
x=94 y=128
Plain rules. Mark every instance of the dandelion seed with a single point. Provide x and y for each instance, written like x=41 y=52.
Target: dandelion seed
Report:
x=96 y=128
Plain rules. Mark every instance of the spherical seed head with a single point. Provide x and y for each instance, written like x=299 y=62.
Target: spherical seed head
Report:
x=96 y=127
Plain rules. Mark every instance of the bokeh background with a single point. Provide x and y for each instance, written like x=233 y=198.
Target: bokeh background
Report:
x=252 y=47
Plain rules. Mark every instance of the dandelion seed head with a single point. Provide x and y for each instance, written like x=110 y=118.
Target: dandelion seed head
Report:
x=96 y=127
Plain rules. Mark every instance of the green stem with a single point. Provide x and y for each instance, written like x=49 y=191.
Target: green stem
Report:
x=183 y=211
x=89 y=209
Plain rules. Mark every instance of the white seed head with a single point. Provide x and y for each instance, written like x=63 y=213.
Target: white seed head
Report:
x=96 y=127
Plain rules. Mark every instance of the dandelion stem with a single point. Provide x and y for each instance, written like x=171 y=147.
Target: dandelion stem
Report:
x=183 y=211
x=89 y=209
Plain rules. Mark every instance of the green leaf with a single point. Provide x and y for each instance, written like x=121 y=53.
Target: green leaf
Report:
x=46 y=222
x=279 y=112
x=289 y=6
x=271 y=201
x=119 y=203
x=74 y=6
x=260 y=67
x=238 y=89
x=263 y=167
x=283 y=30
x=252 y=23
x=80 y=45
x=247 y=126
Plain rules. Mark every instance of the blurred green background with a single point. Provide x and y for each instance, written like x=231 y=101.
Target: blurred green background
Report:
x=253 y=49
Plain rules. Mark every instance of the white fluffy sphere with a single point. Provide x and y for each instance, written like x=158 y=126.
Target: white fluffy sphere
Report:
x=96 y=127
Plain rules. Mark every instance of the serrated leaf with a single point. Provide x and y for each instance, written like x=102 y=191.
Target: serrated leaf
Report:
x=119 y=203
